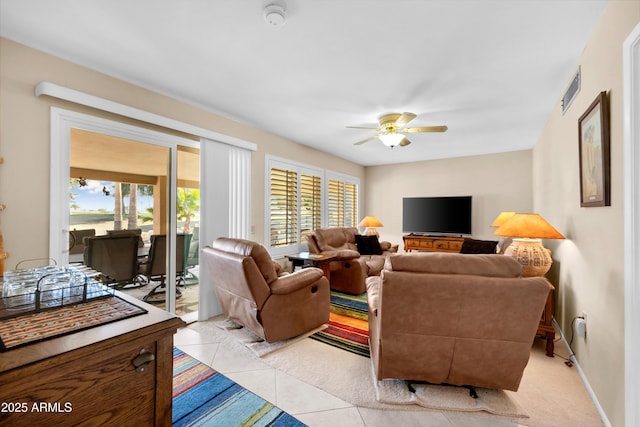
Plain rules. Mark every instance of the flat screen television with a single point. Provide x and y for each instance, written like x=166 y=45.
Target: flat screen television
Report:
x=437 y=215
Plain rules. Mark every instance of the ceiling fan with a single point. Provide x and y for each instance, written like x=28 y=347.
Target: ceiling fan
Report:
x=392 y=129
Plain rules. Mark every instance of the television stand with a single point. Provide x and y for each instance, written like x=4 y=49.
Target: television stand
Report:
x=416 y=242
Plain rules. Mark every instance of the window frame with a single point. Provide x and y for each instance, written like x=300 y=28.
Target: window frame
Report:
x=346 y=179
x=302 y=168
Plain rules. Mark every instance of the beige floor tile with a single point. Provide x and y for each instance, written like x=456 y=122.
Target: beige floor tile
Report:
x=188 y=336
x=297 y=397
x=312 y=406
x=480 y=419
x=385 y=418
x=346 y=417
x=261 y=382
x=209 y=331
x=203 y=352
x=229 y=359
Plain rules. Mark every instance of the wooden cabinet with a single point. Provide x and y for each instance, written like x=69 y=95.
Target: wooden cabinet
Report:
x=89 y=377
x=415 y=242
x=545 y=328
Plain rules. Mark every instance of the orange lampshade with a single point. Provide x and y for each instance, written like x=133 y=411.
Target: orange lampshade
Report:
x=501 y=218
x=531 y=226
x=370 y=221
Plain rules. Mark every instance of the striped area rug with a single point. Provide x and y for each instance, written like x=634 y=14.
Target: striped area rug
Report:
x=204 y=397
x=348 y=324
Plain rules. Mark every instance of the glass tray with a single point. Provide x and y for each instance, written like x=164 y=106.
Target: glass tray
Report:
x=42 y=288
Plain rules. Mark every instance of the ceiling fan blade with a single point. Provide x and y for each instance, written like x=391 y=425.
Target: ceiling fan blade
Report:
x=372 y=127
x=404 y=142
x=426 y=129
x=405 y=118
x=371 y=138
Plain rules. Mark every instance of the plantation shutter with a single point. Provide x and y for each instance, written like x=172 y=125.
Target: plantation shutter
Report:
x=350 y=205
x=284 y=207
x=335 y=203
x=310 y=205
x=342 y=204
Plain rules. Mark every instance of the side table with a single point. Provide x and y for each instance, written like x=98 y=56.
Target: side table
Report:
x=545 y=328
x=306 y=259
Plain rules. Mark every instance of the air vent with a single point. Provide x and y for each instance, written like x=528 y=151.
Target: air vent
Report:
x=571 y=92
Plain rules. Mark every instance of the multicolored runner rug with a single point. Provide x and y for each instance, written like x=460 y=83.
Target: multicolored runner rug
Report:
x=29 y=328
x=348 y=324
x=204 y=397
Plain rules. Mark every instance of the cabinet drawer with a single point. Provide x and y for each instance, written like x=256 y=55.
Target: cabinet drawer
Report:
x=441 y=244
x=103 y=389
x=455 y=245
x=426 y=244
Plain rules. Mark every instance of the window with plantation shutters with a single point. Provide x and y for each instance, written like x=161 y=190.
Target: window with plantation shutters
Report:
x=350 y=204
x=335 y=203
x=342 y=202
x=283 y=207
x=300 y=198
x=310 y=205
x=294 y=207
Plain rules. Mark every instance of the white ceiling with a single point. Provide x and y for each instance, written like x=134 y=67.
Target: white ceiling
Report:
x=491 y=70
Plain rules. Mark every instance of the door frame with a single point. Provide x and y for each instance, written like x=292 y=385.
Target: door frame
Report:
x=631 y=160
x=62 y=121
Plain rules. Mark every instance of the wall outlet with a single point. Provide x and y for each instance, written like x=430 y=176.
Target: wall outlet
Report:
x=581 y=328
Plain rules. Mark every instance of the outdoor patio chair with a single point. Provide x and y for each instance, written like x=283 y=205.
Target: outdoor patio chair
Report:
x=154 y=267
x=76 y=240
x=136 y=232
x=115 y=257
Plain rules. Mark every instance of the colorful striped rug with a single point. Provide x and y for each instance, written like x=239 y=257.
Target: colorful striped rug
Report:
x=348 y=324
x=204 y=397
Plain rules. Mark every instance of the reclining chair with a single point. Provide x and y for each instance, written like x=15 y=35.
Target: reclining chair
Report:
x=254 y=292
x=353 y=262
x=458 y=319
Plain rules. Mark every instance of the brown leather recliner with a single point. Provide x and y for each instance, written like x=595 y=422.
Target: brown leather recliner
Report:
x=454 y=319
x=350 y=269
x=251 y=292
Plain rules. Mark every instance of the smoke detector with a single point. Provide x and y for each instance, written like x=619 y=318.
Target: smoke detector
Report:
x=275 y=15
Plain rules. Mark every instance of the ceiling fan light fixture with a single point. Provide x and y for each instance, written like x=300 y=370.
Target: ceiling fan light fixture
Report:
x=391 y=139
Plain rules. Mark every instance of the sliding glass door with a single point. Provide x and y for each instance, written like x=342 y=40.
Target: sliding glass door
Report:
x=115 y=179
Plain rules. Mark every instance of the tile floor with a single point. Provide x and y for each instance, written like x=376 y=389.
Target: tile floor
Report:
x=308 y=404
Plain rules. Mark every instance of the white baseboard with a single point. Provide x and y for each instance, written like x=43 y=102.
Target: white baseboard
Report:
x=587 y=386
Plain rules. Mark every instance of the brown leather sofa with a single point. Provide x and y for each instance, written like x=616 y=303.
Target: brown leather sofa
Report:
x=351 y=268
x=454 y=319
x=254 y=291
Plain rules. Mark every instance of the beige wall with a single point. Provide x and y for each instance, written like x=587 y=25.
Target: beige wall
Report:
x=497 y=182
x=25 y=135
x=588 y=266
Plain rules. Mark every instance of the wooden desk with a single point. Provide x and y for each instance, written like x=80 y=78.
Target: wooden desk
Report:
x=305 y=259
x=88 y=377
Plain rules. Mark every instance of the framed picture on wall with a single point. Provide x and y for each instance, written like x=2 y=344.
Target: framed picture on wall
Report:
x=593 y=146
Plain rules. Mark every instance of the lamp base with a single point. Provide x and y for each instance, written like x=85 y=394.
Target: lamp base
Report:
x=534 y=258
x=371 y=231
